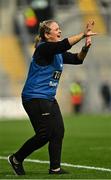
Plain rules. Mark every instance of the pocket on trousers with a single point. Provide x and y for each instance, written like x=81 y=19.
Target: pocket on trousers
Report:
x=46 y=107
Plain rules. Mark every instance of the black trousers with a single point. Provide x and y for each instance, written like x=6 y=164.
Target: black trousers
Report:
x=47 y=121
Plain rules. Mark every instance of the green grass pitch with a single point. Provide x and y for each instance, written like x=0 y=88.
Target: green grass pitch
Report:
x=87 y=143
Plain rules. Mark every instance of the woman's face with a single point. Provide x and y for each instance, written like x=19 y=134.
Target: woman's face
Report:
x=55 y=33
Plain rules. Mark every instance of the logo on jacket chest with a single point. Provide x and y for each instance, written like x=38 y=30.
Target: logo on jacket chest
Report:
x=57 y=75
x=55 y=78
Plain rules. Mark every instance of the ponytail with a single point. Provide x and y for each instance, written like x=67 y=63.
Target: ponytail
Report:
x=37 y=40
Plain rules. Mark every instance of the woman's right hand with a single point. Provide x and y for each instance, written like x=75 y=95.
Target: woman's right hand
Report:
x=88 y=41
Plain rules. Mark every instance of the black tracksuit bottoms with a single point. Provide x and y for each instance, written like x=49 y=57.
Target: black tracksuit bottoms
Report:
x=47 y=121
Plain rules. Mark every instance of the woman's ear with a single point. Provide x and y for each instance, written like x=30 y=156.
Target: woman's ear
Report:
x=47 y=35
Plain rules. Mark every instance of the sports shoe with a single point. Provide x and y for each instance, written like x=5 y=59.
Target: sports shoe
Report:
x=17 y=167
x=61 y=171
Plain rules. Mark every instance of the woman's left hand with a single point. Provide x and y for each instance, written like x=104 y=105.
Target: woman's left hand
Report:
x=88 y=30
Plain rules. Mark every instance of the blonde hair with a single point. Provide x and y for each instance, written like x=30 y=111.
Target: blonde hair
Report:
x=44 y=27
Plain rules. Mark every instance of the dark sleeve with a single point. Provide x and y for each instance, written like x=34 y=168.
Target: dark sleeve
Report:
x=51 y=48
x=71 y=58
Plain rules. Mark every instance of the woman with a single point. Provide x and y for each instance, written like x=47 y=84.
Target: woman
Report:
x=38 y=95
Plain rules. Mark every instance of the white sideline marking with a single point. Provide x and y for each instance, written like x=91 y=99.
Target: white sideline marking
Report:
x=64 y=164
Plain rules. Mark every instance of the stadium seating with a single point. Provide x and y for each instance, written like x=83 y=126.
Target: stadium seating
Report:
x=90 y=10
x=12 y=61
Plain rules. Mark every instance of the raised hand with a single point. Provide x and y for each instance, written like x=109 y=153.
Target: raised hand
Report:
x=88 y=41
x=88 y=33
x=89 y=28
x=90 y=25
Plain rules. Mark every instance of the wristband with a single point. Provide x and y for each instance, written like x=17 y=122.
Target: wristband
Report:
x=83 y=36
x=85 y=49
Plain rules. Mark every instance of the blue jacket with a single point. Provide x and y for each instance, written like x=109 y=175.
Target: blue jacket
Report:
x=42 y=81
x=46 y=68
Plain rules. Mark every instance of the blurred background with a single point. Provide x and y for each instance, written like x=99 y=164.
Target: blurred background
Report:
x=19 y=20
